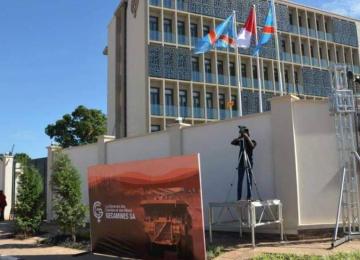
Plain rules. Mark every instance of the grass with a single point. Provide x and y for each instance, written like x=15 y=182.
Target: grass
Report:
x=214 y=251
x=339 y=256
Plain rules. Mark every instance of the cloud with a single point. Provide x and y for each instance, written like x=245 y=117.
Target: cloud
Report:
x=343 y=7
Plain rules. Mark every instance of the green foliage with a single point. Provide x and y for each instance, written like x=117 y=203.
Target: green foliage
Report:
x=29 y=207
x=338 y=256
x=22 y=158
x=82 y=126
x=66 y=183
x=214 y=251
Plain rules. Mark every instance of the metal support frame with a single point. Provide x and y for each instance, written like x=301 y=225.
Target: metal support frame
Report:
x=253 y=220
x=342 y=107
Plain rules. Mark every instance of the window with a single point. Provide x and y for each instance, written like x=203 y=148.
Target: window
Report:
x=181 y=32
x=155 y=128
x=181 y=4
x=234 y=102
x=309 y=23
x=293 y=46
x=220 y=67
x=169 y=101
x=210 y=105
x=206 y=30
x=194 y=30
x=195 y=64
x=243 y=70
x=300 y=21
x=266 y=73
x=155 y=101
x=329 y=54
x=208 y=65
x=291 y=19
x=183 y=103
x=302 y=49
x=232 y=69
x=276 y=75
x=222 y=101
x=312 y=51
x=321 y=53
x=318 y=25
x=296 y=76
x=337 y=56
x=255 y=72
x=154 y=28
x=196 y=104
x=286 y=76
x=168 y=30
x=283 y=45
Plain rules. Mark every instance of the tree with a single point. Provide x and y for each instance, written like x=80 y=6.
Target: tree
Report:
x=82 y=126
x=22 y=158
x=29 y=206
x=66 y=184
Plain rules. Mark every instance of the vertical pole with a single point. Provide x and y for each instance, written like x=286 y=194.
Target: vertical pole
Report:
x=277 y=48
x=238 y=69
x=258 y=65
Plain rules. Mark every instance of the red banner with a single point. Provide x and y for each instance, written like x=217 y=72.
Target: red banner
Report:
x=147 y=209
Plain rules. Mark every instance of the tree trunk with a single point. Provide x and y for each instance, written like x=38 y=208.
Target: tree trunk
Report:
x=73 y=234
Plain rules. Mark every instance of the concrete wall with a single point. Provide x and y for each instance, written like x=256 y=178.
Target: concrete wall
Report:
x=295 y=160
x=6 y=180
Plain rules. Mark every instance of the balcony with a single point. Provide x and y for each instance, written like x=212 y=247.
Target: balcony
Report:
x=169 y=37
x=169 y=4
x=196 y=76
x=233 y=81
x=155 y=2
x=285 y=56
x=315 y=62
x=296 y=58
x=277 y=86
x=299 y=89
x=356 y=69
x=155 y=35
x=246 y=82
x=303 y=31
x=329 y=37
x=312 y=33
x=195 y=41
x=294 y=29
x=324 y=63
x=156 y=110
x=222 y=79
x=306 y=60
x=185 y=111
x=289 y=88
x=256 y=83
x=183 y=40
x=210 y=78
x=212 y=113
x=171 y=111
x=321 y=35
x=224 y=114
x=198 y=112
x=268 y=85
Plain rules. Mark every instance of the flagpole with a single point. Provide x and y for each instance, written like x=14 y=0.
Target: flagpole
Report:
x=239 y=101
x=258 y=64
x=277 y=48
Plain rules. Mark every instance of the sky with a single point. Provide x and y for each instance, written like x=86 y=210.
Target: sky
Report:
x=51 y=61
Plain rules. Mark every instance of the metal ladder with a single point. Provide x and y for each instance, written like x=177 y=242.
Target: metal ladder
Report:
x=342 y=107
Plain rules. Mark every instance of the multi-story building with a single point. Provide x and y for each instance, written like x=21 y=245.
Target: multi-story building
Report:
x=154 y=76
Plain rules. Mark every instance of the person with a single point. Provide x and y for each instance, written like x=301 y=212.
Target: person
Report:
x=249 y=145
x=3 y=204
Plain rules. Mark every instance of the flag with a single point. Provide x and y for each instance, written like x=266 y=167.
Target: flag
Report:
x=268 y=30
x=223 y=36
x=244 y=37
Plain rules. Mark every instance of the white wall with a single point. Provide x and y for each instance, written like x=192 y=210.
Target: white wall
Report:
x=6 y=180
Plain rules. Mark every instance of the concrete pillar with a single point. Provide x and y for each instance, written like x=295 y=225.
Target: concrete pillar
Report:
x=6 y=180
x=284 y=158
x=176 y=138
x=101 y=143
x=50 y=160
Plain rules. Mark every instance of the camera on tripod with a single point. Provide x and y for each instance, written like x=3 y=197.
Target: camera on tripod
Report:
x=242 y=129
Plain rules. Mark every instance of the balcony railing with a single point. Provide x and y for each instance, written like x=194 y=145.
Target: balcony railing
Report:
x=210 y=78
x=169 y=37
x=268 y=85
x=222 y=79
x=155 y=2
x=294 y=29
x=233 y=81
x=321 y=35
x=246 y=82
x=171 y=110
x=256 y=83
x=196 y=76
x=211 y=113
x=285 y=56
x=181 y=5
x=183 y=40
x=356 y=69
x=329 y=37
x=324 y=63
x=296 y=58
x=306 y=60
x=277 y=86
x=299 y=89
x=198 y=112
x=185 y=111
x=155 y=35
x=156 y=110
x=289 y=88
x=195 y=41
x=169 y=4
x=312 y=33
x=303 y=31
x=224 y=113
x=315 y=62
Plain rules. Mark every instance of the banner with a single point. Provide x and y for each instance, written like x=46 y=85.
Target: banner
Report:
x=147 y=209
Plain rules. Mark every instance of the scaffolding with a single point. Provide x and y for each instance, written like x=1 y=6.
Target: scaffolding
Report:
x=342 y=107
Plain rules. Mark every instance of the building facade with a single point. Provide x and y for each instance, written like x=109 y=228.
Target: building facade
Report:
x=154 y=76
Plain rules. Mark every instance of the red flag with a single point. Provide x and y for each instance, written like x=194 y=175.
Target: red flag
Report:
x=244 y=37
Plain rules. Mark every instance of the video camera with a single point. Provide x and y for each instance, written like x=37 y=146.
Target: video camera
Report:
x=242 y=129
